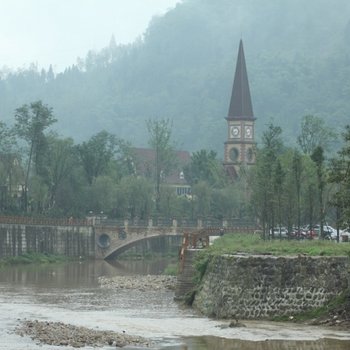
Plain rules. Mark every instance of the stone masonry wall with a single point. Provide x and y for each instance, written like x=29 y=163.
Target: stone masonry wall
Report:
x=73 y=241
x=253 y=287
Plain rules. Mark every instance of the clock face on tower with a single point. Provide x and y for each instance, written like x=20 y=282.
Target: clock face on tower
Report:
x=248 y=132
x=235 y=131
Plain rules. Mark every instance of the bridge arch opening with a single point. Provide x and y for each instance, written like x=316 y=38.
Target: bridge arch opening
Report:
x=173 y=243
x=104 y=241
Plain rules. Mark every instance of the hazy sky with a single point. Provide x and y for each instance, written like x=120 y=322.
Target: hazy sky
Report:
x=58 y=31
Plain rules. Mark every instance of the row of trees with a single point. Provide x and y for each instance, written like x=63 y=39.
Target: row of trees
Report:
x=304 y=185
x=44 y=174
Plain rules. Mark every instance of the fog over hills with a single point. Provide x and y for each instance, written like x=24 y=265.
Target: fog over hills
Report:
x=298 y=62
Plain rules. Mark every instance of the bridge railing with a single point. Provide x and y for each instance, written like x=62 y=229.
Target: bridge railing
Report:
x=181 y=224
x=187 y=223
x=107 y=222
x=175 y=222
x=27 y=220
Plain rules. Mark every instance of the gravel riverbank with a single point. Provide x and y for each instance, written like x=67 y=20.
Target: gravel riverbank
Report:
x=142 y=283
x=60 y=334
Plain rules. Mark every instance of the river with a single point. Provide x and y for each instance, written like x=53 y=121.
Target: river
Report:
x=70 y=293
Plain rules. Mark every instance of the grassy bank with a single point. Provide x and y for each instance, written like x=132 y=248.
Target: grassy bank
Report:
x=253 y=244
x=33 y=258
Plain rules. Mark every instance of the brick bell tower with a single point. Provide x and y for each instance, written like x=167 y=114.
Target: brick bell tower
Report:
x=240 y=144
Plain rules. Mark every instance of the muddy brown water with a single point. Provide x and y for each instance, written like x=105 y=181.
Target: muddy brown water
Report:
x=70 y=293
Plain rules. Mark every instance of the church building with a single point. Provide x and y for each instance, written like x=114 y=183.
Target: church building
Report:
x=240 y=144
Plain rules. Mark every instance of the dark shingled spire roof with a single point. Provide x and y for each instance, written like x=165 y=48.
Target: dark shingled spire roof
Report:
x=241 y=103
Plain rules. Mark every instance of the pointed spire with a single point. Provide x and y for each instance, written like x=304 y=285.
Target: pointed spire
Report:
x=241 y=103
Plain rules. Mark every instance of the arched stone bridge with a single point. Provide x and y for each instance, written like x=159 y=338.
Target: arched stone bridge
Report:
x=97 y=236
x=114 y=240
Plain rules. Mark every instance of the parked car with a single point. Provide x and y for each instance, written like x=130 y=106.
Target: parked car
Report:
x=279 y=232
x=296 y=233
x=333 y=232
x=309 y=232
x=328 y=231
x=344 y=235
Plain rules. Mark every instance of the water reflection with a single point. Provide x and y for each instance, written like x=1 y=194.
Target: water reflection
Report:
x=77 y=274
x=149 y=267
x=52 y=275
x=214 y=343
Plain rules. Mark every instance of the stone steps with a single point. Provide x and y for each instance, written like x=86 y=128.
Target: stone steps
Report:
x=185 y=284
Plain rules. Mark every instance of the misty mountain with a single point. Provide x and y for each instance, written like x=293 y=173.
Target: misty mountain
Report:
x=298 y=62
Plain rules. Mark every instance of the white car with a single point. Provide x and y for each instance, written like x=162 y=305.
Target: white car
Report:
x=279 y=232
x=331 y=231
x=344 y=235
x=328 y=231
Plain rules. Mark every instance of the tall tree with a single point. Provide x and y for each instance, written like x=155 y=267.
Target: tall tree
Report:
x=102 y=195
x=202 y=198
x=297 y=171
x=165 y=157
x=31 y=123
x=134 y=197
x=264 y=189
x=278 y=180
x=226 y=203
x=314 y=133
x=206 y=167
x=61 y=159
x=318 y=158
x=340 y=175
x=97 y=153
x=10 y=170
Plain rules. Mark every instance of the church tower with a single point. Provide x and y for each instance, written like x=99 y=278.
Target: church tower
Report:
x=239 y=147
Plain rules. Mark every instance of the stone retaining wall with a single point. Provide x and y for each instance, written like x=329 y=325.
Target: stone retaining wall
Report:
x=73 y=241
x=253 y=287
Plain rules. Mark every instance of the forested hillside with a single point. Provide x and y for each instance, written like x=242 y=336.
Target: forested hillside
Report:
x=298 y=61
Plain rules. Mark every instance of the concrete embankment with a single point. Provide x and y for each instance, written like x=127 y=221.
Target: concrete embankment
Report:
x=72 y=241
x=258 y=287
